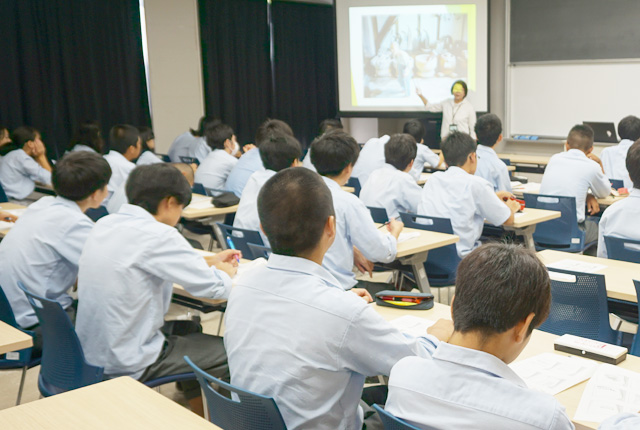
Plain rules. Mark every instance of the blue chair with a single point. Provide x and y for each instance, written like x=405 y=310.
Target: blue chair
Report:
x=635 y=346
x=241 y=239
x=616 y=183
x=198 y=189
x=379 y=215
x=249 y=411
x=190 y=160
x=3 y=195
x=392 y=423
x=355 y=183
x=259 y=250
x=561 y=234
x=165 y=158
x=23 y=359
x=622 y=249
x=97 y=213
x=580 y=307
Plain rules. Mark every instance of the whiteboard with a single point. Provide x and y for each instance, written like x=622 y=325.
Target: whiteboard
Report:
x=549 y=99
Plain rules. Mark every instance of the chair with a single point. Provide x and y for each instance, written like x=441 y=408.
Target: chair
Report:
x=392 y=423
x=562 y=234
x=189 y=160
x=3 y=195
x=164 y=157
x=241 y=239
x=198 y=189
x=579 y=307
x=622 y=249
x=616 y=183
x=355 y=183
x=23 y=359
x=249 y=411
x=635 y=346
x=259 y=250
x=97 y=213
x=379 y=215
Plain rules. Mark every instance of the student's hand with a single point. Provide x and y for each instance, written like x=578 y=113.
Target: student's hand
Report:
x=361 y=262
x=361 y=292
x=227 y=268
x=6 y=216
x=592 y=205
x=513 y=205
x=395 y=227
x=442 y=329
x=594 y=157
x=248 y=147
x=505 y=195
x=226 y=256
x=194 y=167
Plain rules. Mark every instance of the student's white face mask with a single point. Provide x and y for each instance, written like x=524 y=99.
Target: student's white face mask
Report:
x=235 y=149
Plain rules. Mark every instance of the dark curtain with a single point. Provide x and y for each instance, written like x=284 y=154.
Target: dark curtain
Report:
x=66 y=61
x=235 y=58
x=305 y=66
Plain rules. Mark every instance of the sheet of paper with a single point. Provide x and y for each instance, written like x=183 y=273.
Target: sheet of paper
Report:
x=4 y=225
x=403 y=237
x=610 y=391
x=577 y=266
x=414 y=326
x=552 y=373
x=518 y=215
x=200 y=204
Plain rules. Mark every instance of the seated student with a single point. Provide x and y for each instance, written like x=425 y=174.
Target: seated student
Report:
x=358 y=241
x=621 y=219
x=425 y=154
x=250 y=161
x=5 y=142
x=573 y=173
x=192 y=143
x=88 y=137
x=127 y=269
x=25 y=165
x=490 y=166
x=277 y=153
x=465 y=199
x=503 y=292
x=125 y=147
x=214 y=170
x=325 y=126
x=292 y=332
x=371 y=158
x=391 y=186
x=613 y=157
x=43 y=249
x=148 y=145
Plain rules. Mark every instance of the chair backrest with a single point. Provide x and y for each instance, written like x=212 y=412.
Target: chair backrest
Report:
x=250 y=411
x=379 y=215
x=198 y=189
x=635 y=346
x=355 y=183
x=616 y=183
x=164 y=157
x=392 y=423
x=241 y=239
x=63 y=366
x=259 y=250
x=189 y=160
x=622 y=249
x=3 y=195
x=97 y=213
x=442 y=263
x=561 y=233
x=7 y=316
x=579 y=306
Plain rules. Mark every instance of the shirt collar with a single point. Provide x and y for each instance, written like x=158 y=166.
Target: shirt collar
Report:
x=576 y=153
x=302 y=265
x=455 y=170
x=331 y=183
x=135 y=210
x=635 y=192
x=486 y=149
x=118 y=155
x=68 y=203
x=480 y=360
x=626 y=142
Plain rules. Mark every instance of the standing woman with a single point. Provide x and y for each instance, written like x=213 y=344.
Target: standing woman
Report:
x=457 y=114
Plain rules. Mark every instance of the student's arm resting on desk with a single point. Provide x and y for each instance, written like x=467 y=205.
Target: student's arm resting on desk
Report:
x=599 y=184
x=373 y=244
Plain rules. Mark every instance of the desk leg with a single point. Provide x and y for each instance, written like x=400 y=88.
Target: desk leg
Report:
x=416 y=262
x=527 y=233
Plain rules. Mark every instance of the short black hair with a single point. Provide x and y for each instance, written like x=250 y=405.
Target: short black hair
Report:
x=629 y=128
x=329 y=124
x=279 y=152
x=205 y=122
x=456 y=148
x=400 y=150
x=79 y=174
x=464 y=86
x=217 y=135
x=332 y=152
x=24 y=134
x=294 y=205
x=89 y=134
x=580 y=137
x=415 y=128
x=146 y=134
x=633 y=163
x=149 y=184
x=271 y=127
x=123 y=136
x=497 y=286
x=488 y=129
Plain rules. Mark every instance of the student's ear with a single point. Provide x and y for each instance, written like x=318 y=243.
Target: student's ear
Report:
x=296 y=163
x=330 y=227
x=97 y=197
x=566 y=146
x=589 y=151
x=349 y=169
x=522 y=328
x=409 y=166
x=422 y=141
x=499 y=139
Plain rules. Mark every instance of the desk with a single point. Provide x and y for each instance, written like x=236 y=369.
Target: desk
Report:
x=528 y=163
x=121 y=403
x=444 y=167
x=12 y=339
x=525 y=222
x=534 y=188
x=348 y=189
x=5 y=207
x=199 y=208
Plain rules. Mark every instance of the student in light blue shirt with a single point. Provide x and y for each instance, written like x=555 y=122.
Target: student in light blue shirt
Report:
x=392 y=187
x=424 y=153
x=87 y=137
x=43 y=249
x=125 y=146
x=613 y=157
x=192 y=143
x=26 y=165
x=214 y=170
x=127 y=269
x=148 y=147
x=325 y=126
x=251 y=161
x=371 y=158
x=467 y=200
x=292 y=333
x=490 y=166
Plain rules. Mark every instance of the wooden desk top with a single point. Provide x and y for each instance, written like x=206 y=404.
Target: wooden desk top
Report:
x=539 y=160
x=12 y=339
x=534 y=188
x=532 y=216
x=424 y=177
x=619 y=275
x=426 y=241
x=121 y=403
x=348 y=189
x=8 y=206
x=199 y=210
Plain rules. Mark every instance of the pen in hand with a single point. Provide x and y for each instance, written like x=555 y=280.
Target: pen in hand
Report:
x=232 y=246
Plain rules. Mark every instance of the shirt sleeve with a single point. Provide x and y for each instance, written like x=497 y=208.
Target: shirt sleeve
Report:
x=373 y=242
x=489 y=204
x=503 y=178
x=201 y=152
x=430 y=157
x=560 y=419
x=472 y=121
x=434 y=107
x=600 y=185
x=35 y=172
x=412 y=194
x=602 y=247
x=623 y=421
x=74 y=239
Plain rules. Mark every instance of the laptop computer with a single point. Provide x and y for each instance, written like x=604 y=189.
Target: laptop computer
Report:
x=603 y=131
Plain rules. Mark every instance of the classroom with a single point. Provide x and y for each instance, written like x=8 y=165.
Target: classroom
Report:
x=320 y=214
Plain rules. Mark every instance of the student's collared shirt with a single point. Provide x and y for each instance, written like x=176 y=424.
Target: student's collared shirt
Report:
x=371 y=158
x=127 y=270
x=355 y=227
x=247 y=215
x=120 y=170
x=493 y=169
x=620 y=220
x=293 y=334
x=614 y=161
x=83 y=148
x=19 y=174
x=214 y=170
x=249 y=163
x=148 y=157
x=188 y=145
x=461 y=388
x=118 y=199
x=306 y=162
x=424 y=155
x=42 y=251
x=465 y=199
x=391 y=189
x=572 y=174
x=462 y=114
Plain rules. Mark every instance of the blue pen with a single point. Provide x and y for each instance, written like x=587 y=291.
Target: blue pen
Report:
x=232 y=246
